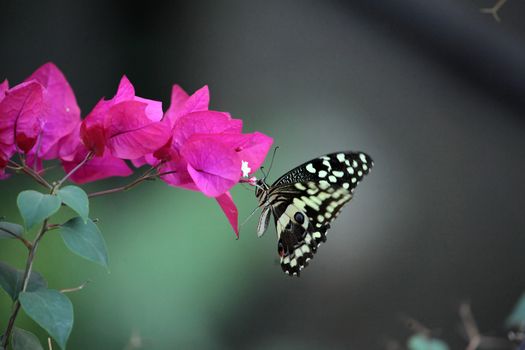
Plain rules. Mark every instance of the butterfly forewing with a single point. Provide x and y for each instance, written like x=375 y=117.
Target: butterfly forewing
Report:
x=306 y=199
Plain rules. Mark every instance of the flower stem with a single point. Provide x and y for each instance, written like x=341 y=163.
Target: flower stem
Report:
x=25 y=283
x=146 y=176
x=79 y=165
x=31 y=173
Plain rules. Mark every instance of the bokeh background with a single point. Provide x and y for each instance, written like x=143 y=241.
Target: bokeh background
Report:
x=433 y=90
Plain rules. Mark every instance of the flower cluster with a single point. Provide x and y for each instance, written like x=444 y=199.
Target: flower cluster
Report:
x=189 y=145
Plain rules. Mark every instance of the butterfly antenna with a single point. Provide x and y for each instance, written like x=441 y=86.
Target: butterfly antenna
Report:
x=271 y=162
x=249 y=216
x=264 y=173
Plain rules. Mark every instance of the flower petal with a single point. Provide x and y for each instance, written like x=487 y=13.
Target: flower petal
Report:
x=207 y=122
x=153 y=108
x=214 y=167
x=3 y=88
x=251 y=148
x=179 y=176
x=68 y=144
x=125 y=91
x=61 y=114
x=199 y=101
x=96 y=168
x=225 y=200
x=20 y=111
x=130 y=133
x=182 y=104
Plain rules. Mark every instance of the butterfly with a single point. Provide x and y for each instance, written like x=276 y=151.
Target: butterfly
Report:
x=305 y=200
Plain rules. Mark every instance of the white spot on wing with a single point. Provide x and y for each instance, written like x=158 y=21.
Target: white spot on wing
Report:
x=324 y=184
x=312 y=191
x=327 y=164
x=300 y=186
x=309 y=202
x=310 y=168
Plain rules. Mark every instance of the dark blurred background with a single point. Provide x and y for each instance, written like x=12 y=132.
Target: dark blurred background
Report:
x=433 y=90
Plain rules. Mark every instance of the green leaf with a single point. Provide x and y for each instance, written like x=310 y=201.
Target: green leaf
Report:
x=8 y=229
x=11 y=280
x=75 y=198
x=422 y=342
x=52 y=310
x=85 y=239
x=35 y=207
x=25 y=340
x=517 y=316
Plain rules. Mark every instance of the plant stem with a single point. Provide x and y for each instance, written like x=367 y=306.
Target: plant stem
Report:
x=25 y=283
x=79 y=165
x=75 y=289
x=146 y=176
x=119 y=189
x=20 y=238
x=31 y=173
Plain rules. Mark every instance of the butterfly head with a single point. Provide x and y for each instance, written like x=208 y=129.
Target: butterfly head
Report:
x=261 y=188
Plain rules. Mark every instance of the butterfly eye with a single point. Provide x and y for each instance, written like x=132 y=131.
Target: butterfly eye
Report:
x=280 y=248
x=299 y=217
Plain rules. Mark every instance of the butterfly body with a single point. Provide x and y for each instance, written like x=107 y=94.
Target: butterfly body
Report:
x=304 y=202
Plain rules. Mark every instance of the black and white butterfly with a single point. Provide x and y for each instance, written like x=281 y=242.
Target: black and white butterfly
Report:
x=304 y=202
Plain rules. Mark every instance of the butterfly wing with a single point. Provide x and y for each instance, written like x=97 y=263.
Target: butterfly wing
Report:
x=308 y=198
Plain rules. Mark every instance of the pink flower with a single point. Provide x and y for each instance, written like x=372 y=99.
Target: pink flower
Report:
x=208 y=150
x=96 y=168
x=20 y=111
x=129 y=126
x=60 y=115
x=3 y=88
x=131 y=132
x=229 y=208
x=193 y=147
x=182 y=103
x=213 y=166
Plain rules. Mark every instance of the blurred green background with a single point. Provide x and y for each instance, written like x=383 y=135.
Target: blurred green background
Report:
x=433 y=91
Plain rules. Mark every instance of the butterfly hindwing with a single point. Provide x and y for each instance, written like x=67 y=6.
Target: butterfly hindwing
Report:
x=305 y=200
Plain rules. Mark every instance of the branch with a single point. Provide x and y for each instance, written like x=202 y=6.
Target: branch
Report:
x=22 y=239
x=24 y=168
x=75 y=289
x=25 y=282
x=79 y=165
x=471 y=328
x=146 y=176
x=494 y=9
x=475 y=338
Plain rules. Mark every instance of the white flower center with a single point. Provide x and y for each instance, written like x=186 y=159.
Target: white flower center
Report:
x=245 y=169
